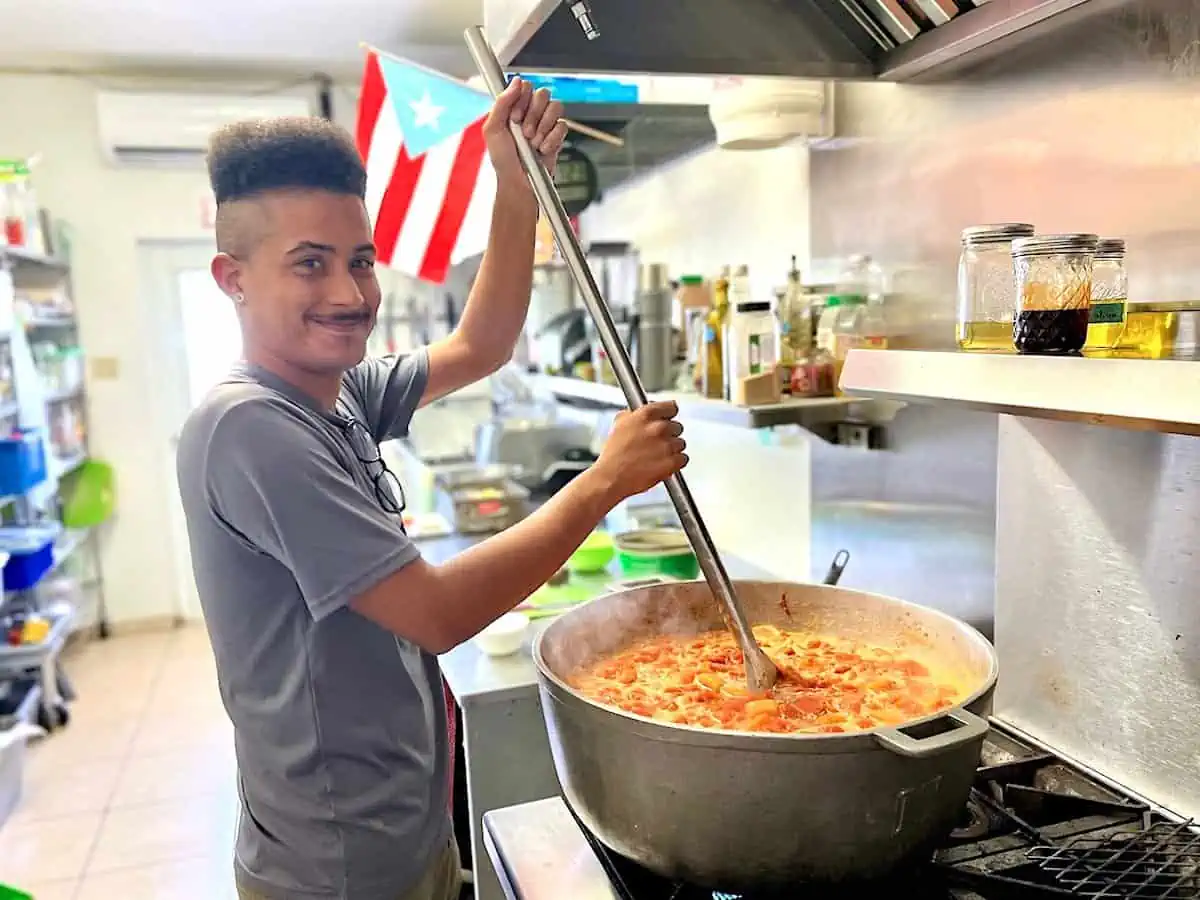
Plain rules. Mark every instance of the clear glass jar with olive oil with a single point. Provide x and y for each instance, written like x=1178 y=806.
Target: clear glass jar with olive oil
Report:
x=1110 y=290
x=987 y=288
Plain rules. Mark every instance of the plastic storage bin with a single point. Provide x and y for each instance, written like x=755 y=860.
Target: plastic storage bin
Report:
x=32 y=554
x=22 y=462
x=18 y=707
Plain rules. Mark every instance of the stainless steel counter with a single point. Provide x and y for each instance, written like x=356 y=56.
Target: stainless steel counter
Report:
x=540 y=854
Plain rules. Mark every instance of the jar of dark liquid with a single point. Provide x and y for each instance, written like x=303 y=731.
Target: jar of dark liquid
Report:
x=1053 y=275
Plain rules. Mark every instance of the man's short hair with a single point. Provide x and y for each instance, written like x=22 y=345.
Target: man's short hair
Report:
x=257 y=156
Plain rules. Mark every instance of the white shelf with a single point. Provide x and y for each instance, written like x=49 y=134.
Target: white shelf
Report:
x=68 y=542
x=807 y=413
x=50 y=320
x=1157 y=395
x=20 y=257
x=65 y=396
x=65 y=465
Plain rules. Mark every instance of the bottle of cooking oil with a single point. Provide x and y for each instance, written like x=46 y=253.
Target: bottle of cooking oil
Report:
x=1110 y=289
x=713 y=361
x=735 y=348
x=1159 y=330
x=987 y=288
x=794 y=313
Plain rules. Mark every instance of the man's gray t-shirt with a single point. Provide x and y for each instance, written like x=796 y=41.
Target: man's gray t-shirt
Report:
x=339 y=726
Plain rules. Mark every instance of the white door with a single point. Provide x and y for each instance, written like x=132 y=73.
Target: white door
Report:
x=196 y=340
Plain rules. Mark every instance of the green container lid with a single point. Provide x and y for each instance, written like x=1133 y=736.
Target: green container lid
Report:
x=691 y=279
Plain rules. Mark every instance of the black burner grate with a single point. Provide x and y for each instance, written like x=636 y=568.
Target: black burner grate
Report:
x=1160 y=863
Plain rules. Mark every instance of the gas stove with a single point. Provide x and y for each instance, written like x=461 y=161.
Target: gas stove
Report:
x=1034 y=827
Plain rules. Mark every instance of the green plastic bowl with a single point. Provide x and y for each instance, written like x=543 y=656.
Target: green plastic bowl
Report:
x=91 y=497
x=593 y=555
x=657 y=551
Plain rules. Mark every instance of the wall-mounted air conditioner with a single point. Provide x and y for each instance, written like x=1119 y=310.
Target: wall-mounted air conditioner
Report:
x=167 y=129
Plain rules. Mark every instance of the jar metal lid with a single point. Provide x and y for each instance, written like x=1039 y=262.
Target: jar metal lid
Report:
x=1110 y=248
x=999 y=233
x=1054 y=244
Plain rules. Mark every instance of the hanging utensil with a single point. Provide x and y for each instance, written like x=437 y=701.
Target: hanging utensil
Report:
x=760 y=671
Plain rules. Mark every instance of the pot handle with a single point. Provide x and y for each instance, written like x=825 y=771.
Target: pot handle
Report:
x=969 y=727
x=836 y=568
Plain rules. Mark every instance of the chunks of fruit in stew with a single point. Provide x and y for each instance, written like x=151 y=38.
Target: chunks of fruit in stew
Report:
x=826 y=684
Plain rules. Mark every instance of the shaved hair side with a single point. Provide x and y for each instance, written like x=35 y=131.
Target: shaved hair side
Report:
x=240 y=226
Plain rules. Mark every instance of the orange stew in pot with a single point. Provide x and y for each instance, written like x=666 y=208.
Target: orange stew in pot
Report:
x=826 y=684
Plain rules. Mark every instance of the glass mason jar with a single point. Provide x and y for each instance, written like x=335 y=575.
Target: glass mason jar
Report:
x=986 y=297
x=1054 y=292
x=1110 y=292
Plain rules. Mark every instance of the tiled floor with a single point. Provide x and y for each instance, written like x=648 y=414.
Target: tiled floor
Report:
x=135 y=799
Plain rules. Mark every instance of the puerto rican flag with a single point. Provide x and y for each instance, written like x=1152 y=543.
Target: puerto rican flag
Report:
x=430 y=184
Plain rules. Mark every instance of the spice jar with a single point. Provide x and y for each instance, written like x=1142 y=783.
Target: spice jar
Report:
x=1110 y=290
x=986 y=293
x=1054 y=292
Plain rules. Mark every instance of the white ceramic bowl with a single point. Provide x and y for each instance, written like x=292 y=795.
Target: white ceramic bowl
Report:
x=504 y=636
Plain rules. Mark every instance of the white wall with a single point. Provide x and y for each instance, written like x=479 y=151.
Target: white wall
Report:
x=110 y=210
x=712 y=208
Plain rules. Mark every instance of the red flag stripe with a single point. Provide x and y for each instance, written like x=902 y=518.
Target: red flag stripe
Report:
x=397 y=198
x=370 y=103
x=464 y=176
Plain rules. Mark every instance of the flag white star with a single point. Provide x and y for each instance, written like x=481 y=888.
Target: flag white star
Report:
x=426 y=111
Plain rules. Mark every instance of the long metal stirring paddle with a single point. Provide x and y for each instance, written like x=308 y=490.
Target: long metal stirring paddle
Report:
x=760 y=671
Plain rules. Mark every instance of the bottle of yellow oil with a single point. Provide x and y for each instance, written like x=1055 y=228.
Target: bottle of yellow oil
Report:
x=712 y=381
x=1153 y=330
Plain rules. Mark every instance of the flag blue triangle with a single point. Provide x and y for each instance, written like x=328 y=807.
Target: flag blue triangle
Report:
x=429 y=107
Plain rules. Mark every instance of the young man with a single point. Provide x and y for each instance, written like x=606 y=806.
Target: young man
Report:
x=325 y=621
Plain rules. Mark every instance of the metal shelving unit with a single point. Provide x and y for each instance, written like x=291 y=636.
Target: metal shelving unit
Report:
x=819 y=415
x=33 y=403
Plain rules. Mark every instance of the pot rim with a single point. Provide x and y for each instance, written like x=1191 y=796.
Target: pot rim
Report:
x=723 y=736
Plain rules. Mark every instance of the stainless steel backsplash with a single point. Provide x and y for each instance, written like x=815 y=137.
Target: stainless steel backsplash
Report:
x=1097 y=624
x=1096 y=129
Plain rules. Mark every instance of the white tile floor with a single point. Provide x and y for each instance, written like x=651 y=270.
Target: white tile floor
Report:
x=135 y=799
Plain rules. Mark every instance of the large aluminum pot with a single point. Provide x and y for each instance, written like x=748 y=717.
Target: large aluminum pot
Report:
x=742 y=811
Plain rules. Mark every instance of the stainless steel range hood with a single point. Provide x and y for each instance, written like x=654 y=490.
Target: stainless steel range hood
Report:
x=893 y=40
